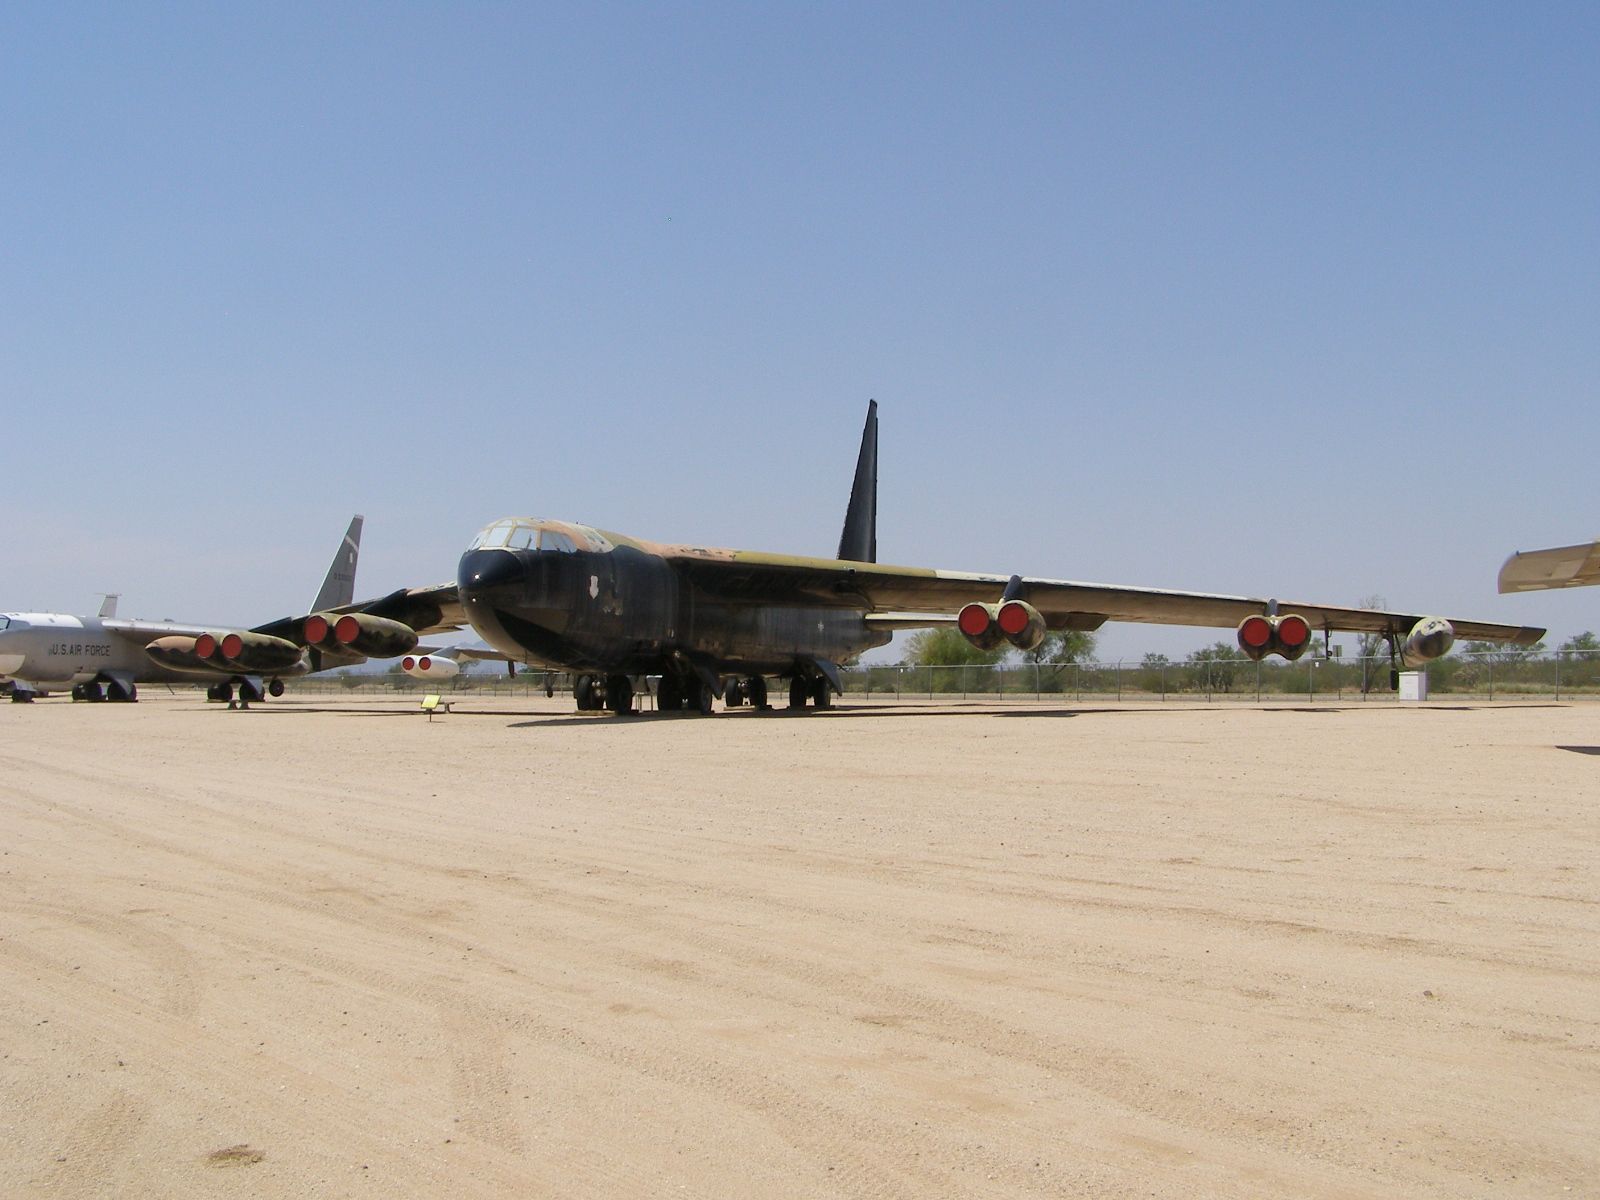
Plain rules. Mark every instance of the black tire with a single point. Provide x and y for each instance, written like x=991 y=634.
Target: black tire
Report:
x=702 y=698
x=619 y=694
x=93 y=693
x=669 y=694
x=275 y=688
x=733 y=693
x=583 y=692
x=757 y=687
x=799 y=692
x=821 y=693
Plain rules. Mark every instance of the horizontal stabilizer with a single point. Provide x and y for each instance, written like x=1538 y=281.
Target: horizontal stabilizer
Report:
x=1561 y=567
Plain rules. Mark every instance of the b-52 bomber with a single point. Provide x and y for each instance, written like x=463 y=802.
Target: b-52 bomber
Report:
x=105 y=657
x=710 y=623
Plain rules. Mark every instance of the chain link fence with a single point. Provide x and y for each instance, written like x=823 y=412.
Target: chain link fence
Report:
x=1505 y=675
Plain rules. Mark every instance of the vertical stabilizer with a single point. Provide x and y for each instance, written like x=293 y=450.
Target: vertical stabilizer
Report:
x=859 y=541
x=108 y=606
x=339 y=588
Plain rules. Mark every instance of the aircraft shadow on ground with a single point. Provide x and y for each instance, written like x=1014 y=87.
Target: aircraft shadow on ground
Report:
x=1581 y=749
x=832 y=714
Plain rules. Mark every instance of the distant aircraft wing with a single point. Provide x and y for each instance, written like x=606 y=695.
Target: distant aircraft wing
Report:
x=1561 y=567
x=425 y=609
x=882 y=589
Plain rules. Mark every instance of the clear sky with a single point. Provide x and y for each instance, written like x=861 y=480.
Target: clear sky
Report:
x=1280 y=299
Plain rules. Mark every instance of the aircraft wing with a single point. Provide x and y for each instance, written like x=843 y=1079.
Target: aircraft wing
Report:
x=881 y=589
x=426 y=609
x=142 y=633
x=1561 y=567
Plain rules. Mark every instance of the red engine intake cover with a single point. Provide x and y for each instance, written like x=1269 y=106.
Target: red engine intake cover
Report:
x=973 y=620
x=1293 y=631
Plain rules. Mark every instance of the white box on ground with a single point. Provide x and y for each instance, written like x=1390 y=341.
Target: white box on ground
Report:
x=1413 y=686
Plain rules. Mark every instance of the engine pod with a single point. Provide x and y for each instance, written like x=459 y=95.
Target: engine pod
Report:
x=980 y=625
x=1021 y=624
x=375 y=637
x=1430 y=638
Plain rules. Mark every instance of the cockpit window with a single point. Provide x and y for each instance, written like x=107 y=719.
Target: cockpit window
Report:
x=4 y=623
x=522 y=533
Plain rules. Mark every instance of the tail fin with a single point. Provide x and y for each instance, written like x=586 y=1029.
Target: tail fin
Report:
x=859 y=541
x=339 y=588
x=108 y=606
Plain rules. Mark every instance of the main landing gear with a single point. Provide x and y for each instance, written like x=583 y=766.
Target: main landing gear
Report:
x=677 y=694
x=751 y=690
x=596 y=693
x=815 y=690
x=248 y=692
x=94 y=692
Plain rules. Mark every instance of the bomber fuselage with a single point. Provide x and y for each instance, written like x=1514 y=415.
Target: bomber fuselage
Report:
x=58 y=648
x=577 y=598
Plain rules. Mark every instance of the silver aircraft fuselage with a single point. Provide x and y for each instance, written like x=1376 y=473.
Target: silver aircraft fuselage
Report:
x=59 y=648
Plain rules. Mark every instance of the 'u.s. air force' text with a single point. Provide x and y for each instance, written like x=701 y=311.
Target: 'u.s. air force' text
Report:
x=81 y=649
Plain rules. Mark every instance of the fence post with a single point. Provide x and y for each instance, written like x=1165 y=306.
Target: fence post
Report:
x=1119 y=681
x=1038 y=689
x=1163 y=683
x=1311 y=681
x=1558 y=677
x=1258 y=681
x=1490 y=664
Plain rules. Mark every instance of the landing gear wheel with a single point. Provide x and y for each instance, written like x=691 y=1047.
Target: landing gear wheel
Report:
x=799 y=692
x=619 y=694
x=756 y=686
x=583 y=693
x=702 y=697
x=733 y=693
x=77 y=692
x=821 y=693
x=275 y=688
x=221 y=692
x=669 y=694
x=93 y=693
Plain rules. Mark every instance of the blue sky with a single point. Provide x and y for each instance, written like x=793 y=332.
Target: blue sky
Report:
x=1278 y=299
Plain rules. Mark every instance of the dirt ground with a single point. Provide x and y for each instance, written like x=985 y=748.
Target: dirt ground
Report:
x=327 y=948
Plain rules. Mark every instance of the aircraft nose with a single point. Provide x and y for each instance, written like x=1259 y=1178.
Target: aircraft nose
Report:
x=485 y=572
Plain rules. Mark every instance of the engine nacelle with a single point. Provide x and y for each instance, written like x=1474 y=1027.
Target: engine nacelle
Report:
x=430 y=666
x=245 y=651
x=980 y=625
x=176 y=652
x=360 y=633
x=1021 y=623
x=1288 y=636
x=1430 y=638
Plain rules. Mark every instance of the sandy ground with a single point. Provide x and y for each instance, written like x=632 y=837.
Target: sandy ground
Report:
x=327 y=948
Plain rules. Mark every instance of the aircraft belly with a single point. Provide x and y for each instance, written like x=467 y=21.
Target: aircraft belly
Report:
x=771 y=638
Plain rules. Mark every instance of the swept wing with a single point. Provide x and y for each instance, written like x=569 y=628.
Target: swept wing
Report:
x=894 y=591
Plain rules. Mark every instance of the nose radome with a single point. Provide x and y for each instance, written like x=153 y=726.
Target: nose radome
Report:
x=485 y=571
